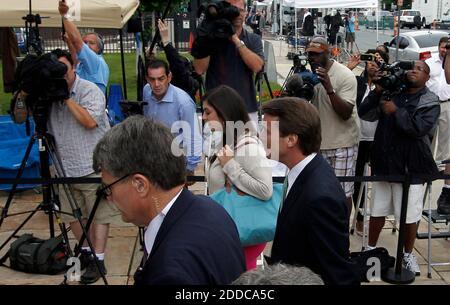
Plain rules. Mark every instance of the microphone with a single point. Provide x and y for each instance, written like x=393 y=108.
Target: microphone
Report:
x=294 y=84
x=301 y=86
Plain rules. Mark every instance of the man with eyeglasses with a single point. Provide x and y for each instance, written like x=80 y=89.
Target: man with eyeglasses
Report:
x=406 y=124
x=236 y=61
x=189 y=240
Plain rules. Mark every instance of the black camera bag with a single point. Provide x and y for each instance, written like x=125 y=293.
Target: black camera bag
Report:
x=361 y=261
x=34 y=255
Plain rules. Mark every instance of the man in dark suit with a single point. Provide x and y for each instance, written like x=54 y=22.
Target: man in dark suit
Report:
x=189 y=240
x=312 y=227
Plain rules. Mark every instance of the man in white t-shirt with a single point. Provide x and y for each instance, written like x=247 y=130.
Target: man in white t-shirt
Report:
x=335 y=98
x=438 y=85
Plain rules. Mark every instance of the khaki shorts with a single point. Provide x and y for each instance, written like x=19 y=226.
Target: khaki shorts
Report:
x=387 y=200
x=85 y=195
x=349 y=37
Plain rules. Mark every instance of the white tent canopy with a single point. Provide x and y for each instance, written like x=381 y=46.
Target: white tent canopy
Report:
x=330 y=3
x=87 y=13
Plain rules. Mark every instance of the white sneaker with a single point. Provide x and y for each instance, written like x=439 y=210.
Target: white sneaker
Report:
x=410 y=263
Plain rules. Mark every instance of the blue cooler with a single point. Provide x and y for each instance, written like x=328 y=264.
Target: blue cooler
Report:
x=13 y=145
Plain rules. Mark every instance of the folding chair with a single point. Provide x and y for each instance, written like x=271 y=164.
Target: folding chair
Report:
x=432 y=216
x=362 y=192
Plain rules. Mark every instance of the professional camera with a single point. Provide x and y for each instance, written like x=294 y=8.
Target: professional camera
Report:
x=300 y=61
x=42 y=79
x=300 y=81
x=394 y=79
x=216 y=26
x=216 y=10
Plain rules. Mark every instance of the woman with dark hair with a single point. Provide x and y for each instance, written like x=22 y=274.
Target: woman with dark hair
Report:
x=237 y=157
x=382 y=49
x=367 y=129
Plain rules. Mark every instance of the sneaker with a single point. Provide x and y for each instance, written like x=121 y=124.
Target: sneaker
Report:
x=85 y=257
x=443 y=202
x=92 y=274
x=410 y=263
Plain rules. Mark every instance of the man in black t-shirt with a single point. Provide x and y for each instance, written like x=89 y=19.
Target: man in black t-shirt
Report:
x=235 y=62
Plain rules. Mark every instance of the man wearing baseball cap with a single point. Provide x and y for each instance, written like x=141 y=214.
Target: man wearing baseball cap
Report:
x=335 y=98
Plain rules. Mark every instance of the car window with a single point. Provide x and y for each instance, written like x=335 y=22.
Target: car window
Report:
x=402 y=42
x=427 y=41
x=411 y=13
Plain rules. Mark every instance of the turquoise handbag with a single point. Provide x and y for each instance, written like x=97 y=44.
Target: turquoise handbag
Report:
x=255 y=219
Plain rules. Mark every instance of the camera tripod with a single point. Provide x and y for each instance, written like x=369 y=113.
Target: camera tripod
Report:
x=33 y=38
x=294 y=70
x=258 y=84
x=50 y=203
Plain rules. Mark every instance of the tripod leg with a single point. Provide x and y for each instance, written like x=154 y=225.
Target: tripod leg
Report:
x=268 y=84
x=5 y=209
x=19 y=227
x=61 y=225
x=89 y=222
x=46 y=189
x=291 y=72
x=75 y=208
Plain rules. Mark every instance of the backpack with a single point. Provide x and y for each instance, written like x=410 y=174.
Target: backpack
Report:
x=362 y=264
x=34 y=255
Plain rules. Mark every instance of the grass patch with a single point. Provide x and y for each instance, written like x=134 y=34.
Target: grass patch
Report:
x=115 y=72
x=5 y=98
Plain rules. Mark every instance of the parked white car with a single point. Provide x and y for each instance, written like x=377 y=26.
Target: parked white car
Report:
x=410 y=18
x=415 y=45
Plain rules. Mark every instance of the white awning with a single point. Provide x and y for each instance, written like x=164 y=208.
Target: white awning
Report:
x=87 y=13
x=331 y=3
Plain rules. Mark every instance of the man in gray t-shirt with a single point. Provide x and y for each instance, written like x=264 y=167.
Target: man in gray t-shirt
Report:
x=235 y=62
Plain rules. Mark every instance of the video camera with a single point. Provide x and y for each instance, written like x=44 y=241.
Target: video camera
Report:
x=394 y=79
x=42 y=79
x=216 y=10
x=302 y=81
x=216 y=26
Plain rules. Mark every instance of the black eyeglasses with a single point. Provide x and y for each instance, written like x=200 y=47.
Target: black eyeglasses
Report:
x=106 y=189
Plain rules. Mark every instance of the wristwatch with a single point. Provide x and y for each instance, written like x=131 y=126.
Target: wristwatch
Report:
x=68 y=17
x=241 y=44
x=332 y=92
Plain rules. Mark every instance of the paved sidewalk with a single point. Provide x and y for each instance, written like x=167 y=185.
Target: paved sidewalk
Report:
x=123 y=249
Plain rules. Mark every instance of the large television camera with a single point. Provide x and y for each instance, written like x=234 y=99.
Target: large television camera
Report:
x=39 y=81
x=393 y=79
x=216 y=26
